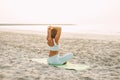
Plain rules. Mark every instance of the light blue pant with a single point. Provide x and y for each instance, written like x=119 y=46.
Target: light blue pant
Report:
x=59 y=60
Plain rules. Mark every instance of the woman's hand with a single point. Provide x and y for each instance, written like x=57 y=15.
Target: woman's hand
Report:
x=50 y=27
x=53 y=27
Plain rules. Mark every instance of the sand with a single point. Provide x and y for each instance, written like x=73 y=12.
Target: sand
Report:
x=100 y=52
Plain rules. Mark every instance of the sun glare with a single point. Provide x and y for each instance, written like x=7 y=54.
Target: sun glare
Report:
x=62 y=11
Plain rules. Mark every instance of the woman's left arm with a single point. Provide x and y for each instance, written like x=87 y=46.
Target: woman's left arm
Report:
x=49 y=39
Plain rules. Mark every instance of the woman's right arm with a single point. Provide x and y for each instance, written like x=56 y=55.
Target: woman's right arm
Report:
x=57 y=37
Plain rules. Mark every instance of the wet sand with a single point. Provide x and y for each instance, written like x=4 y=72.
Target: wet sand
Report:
x=100 y=52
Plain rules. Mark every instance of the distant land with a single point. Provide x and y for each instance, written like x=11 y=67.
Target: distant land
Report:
x=31 y=24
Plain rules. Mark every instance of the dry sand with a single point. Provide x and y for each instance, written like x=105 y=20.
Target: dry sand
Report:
x=101 y=53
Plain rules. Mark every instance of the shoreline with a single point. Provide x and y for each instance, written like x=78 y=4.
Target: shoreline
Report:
x=110 y=37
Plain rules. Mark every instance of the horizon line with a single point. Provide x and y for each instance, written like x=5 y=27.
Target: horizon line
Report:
x=31 y=24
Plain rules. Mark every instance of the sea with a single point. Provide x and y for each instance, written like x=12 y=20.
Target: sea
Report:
x=86 y=29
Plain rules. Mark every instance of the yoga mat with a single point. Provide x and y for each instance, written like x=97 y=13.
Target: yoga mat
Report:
x=69 y=66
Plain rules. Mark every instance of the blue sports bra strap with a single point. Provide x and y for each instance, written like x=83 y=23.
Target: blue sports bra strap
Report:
x=54 y=42
x=55 y=47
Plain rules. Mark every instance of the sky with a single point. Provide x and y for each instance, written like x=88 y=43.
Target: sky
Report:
x=88 y=12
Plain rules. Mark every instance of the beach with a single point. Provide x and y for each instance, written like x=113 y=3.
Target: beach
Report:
x=100 y=52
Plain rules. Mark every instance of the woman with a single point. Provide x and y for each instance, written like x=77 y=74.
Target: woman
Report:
x=53 y=42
